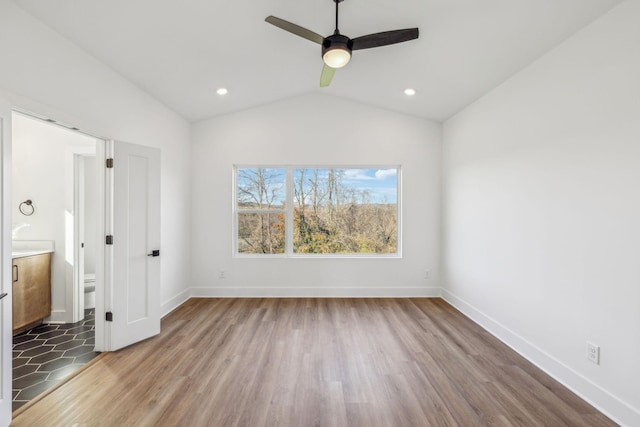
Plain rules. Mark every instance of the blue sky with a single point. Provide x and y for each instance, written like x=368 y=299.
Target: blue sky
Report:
x=380 y=183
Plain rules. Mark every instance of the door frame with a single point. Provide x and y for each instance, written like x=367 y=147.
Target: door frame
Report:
x=79 y=236
x=100 y=255
x=5 y=261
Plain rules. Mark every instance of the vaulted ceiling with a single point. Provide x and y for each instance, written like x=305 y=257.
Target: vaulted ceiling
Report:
x=180 y=52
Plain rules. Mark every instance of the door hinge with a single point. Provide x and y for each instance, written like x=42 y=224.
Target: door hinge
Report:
x=109 y=240
x=108 y=316
x=109 y=163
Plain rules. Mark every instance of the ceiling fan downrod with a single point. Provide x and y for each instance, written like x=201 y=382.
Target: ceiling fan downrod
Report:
x=337 y=31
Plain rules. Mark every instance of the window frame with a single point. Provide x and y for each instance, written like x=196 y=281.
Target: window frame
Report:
x=289 y=208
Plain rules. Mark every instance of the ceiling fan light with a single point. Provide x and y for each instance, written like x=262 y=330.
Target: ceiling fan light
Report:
x=337 y=57
x=336 y=50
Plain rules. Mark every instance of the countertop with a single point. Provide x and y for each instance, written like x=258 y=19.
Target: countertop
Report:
x=22 y=254
x=25 y=248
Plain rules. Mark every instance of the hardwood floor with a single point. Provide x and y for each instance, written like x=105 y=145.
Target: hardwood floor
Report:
x=314 y=362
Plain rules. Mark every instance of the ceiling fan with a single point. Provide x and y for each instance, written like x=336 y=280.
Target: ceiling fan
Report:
x=336 y=48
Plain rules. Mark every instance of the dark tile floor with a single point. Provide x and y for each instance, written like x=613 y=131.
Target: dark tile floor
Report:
x=47 y=354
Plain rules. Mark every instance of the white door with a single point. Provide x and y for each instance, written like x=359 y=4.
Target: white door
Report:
x=6 y=320
x=132 y=260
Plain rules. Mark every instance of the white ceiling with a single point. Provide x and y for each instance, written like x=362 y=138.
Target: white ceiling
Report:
x=181 y=51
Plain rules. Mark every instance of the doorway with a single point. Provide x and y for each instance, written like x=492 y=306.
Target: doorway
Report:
x=85 y=234
x=54 y=209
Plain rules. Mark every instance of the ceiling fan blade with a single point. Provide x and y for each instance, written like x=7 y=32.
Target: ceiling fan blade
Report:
x=385 y=38
x=295 y=29
x=327 y=75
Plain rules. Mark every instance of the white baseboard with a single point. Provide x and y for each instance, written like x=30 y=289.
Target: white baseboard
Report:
x=57 y=317
x=175 y=302
x=240 y=292
x=616 y=409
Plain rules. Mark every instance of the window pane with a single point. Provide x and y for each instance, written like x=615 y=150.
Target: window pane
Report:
x=261 y=188
x=261 y=233
x=345 y=211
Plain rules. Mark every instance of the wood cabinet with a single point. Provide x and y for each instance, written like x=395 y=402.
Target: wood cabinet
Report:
x=31 y=290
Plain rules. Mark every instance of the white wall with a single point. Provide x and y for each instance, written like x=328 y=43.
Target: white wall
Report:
x=43 y=172
x=541 y=211
x=309 y=130
x=44 y=73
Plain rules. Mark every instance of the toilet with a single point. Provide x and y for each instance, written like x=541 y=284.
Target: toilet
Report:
x=89 y=290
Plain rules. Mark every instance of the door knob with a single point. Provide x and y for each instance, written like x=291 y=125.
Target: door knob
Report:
x=155 y=252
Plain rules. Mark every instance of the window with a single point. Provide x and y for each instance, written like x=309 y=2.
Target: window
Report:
x=314 y=211
x=261 y=196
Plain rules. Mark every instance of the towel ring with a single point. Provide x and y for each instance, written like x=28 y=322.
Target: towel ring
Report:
x=24 y=208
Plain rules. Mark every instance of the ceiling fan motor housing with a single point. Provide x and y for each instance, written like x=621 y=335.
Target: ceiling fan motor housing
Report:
x=336 y=41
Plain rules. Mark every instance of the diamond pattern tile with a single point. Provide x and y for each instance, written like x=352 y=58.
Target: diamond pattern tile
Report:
x=46 y=357
x=47 y=354
x=42 y=329
x=23 y=370
x=19 y=361
x=37 y=351
x=51 y=334
x=21 y=338
x=59 y=340
x=62 y=373
x=79 y=351
x=28 y=345
x=70 y=344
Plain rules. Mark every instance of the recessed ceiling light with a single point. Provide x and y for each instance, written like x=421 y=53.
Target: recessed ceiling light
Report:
x=409 y=92
x=222 y=91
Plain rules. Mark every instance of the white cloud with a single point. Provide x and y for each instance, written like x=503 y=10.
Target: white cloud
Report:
x=385 y=173
x=356 y=174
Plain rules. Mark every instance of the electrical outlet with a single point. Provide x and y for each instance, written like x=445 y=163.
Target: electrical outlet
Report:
x=426 y=274
x=593 y=353
x=223 y=274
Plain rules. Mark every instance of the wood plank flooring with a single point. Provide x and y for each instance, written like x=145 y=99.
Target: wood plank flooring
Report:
x=313 y=362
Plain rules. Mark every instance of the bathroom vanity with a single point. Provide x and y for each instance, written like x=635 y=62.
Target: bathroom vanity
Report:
x=31 y=275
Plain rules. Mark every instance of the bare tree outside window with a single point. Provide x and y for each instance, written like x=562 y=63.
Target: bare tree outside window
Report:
x=261 y=195
x=334 y=211
x=343 y=211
